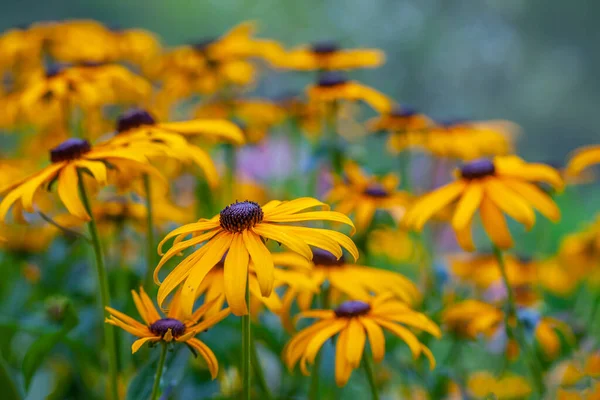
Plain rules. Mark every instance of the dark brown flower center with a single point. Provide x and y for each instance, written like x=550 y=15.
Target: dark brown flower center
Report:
x=325 y=47
x=134 y=118
x=70 y=149
x=240 y=216
x=477 y=169
x=352 y=308
x=202 y=44
x=54 y=70
x=162 y=326
x=376 y=190
x=331 y=79
x=403 y=112
x=326 y=259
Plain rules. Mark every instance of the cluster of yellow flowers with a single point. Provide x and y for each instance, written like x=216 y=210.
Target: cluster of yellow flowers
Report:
x=99 y=103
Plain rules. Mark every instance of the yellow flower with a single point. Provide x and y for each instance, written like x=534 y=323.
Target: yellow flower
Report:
x=483 y=384
x=547 y=336
x=468 y=140
x=168 y=329
x=354 y=321
x=68 y=160
x=582 y=159
x=395 y=244
x=334 y=86
x=363 y=195
x=296 y=276
x=558 y=278
x=27 y=238
x=502 y=185
x=483 y=270
x=471 y=318
x=240 y=229
x=137 y=126
x=137 y=46
x=408 y=128
x=20 y=55
x=329 y=56
x=579 y=253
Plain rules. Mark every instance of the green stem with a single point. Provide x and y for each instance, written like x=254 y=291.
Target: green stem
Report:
x=370 y=372
x=246 y=348
x=103 y=290
x=258 y=372
x=151 y=243
x=159 y=371
x=536 y=374
x=314 y=382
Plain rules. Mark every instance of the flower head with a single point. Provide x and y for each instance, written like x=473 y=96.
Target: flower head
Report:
x=240 y=230
x=582 y=159
x=355 y=321
x=492 y=187
x=408 y=128
x=171 y=328
x=328 y=55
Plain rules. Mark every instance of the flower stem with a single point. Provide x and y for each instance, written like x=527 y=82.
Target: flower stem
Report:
x=314 y=382
x=104 y=293
x=258 y=371
x=159 y=371
x=151 y=246
x=369 y=370
x=536 y=374
x=246 y=348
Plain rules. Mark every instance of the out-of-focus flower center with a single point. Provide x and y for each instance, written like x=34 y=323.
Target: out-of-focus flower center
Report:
x=352 y=308
x=134 y=118
x=331 y=79
x=326 y=259
x=403 y=112
x=70 y=149
x=54 y=70
x=477 y=169
x=326 y=47
x=201 y=45
x=452 y=123
x=376 y=190
x=240 y=216
x=162 y=326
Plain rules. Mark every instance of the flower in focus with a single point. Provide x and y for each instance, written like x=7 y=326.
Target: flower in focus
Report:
x=170 y=328
x=329 y=56
x=137 y=126
x=334 y=86
x=354 y=321
x=239 y=230
x=582 y=159
x=469 y=140
x=68 y=161
x=483 y=384
x=363 y=195
x=492 y=187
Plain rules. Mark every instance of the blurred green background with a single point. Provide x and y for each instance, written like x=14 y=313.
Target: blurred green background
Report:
x=533 y=62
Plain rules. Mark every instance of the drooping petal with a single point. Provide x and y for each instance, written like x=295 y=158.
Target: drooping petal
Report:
x=407 y=336
x=197 y=227
x=235 y=275
x=262 y=260
x=495 y=224
x=431 y=203
x=509 y=202
x=468 y=205
x=356 y=342
x=538 y=199
x=376 y=338
x=363 y=214
x=68 y=191
x=273 y=232
x=319 y=338
x=207 y=354
x=96 y=168
x=464 y=237
x=342 y=367
x=140 y=342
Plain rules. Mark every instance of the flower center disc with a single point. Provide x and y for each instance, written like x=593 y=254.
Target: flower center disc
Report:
x=326 y=259
x=403 y=112
x=240 y=216
x=162 y=326
x=477 y=169
x=352 y=308
x=134 y=118
x=331 y=79
x=326 y=47
x=70 y=149
x=376 y=191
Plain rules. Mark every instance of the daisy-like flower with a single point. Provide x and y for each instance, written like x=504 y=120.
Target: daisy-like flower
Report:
x=583 y=158
x=362 y=195
x=68 y=160
x=492 y=187
x=355 y=321
x=335 y=86
x=27 y=239
x=471 y=318
x=349 y=280
x=171 y=328
x=20 y=56
x=482 y=385
x=239 y=230
x=579 y=376
x=329 y=56
x=408 y=128
x=138 y=126
x=395 y=244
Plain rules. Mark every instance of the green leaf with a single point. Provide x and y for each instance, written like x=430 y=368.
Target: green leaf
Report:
x=38 y=351
x=9 y=387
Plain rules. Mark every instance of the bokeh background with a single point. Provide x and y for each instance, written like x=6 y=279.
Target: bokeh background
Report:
x=533 y=62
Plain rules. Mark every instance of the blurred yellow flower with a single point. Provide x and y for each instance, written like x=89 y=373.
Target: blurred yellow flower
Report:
x=408 y=128
x=483 y=270
x=27 y=239
x=329 y=56
x=471 y=318
x=395 y=244
x=582 y=159
x=492 y=187
x=483 y=384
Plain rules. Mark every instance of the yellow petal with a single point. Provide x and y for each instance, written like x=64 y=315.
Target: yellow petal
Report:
x=140 y=342
x=376 y=338
x=262 y=259
x=468 y=205
x=235 y=275
x=495 y=225
x=273 y=232
x=68 y=191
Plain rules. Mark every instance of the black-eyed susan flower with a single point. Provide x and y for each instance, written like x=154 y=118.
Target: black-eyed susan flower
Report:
x=408 y=128
x=471 y=318
x=137 y=126
x=27 y=239
x=67 y=161
x=578 y=377
x=469 y=140
x=354 y=321
x=548 y=334
x=483 y=384
x=363 y=195
x=492 y=187
x=21 y=56
x=239 y=230
x=170 y=328
x=329 y=56
x=335 y=86
x=579 y=253
x=396 y=245
x=582 y=159
x=137 y=46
